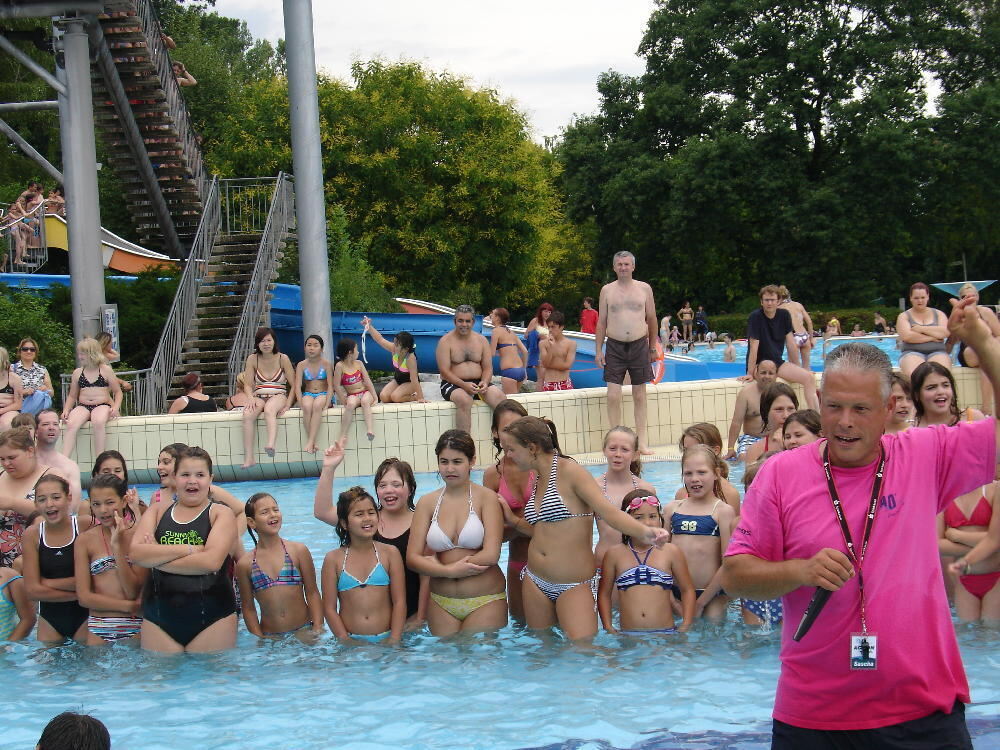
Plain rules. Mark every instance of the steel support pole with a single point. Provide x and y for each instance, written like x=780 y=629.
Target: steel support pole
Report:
x=83 y=212
x=307 y=161
x=28 y=106
x=30 y=151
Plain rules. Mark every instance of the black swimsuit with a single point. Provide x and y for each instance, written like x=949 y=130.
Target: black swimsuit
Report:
x=101 y=382
x=57 y=562
x=182 y=606
x=411 y=577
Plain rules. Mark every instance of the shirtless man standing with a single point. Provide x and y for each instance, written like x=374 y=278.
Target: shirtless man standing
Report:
x=746 y=414
x=466 y=367
x=769 y=331
x=557 y=353
x=802 y=325
x=627 y=317
x=46 y=436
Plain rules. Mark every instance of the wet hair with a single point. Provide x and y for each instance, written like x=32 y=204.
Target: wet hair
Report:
x=771 y=394
x=345 y=346
x=174 y=449
x=405 y=472
x=536 y=431
x=542 y=308
x=808 y=418
x=558 y=318
x=317 y=337
x=636 y=465
x=456 y=440
x=22 y=342
x=193 y=452
x=345 y=501
x=4 y=360
x=406 y=342
x=251 y=511
x=714 y=461
x=705 y=433
x=861 y=357
x=508 y=405
x=102 y=457
x=111 y=482
x=73 y=731
x=24 y=420
x=190 y=381
x=502 y=314
x=627 y=539
x=47 y=478
x=917 y=378
x=919 y=285
x=260 y=334
x=93 y=352
x=770 y=289
x=465 y=310
x=18 y=437
x=903 y=382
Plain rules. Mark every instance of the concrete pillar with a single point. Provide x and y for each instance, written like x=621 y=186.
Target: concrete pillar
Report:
x=310 y=206
x=83 y=211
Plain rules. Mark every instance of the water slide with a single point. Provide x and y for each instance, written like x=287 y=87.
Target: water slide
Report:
x=117 y=253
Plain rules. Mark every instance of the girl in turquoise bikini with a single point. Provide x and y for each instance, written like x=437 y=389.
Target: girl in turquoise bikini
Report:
x=313 y=389
x=364 y=587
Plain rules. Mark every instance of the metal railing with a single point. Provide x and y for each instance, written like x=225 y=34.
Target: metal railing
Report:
x=36 y=250
x=280 y=219
x=134 y=398
x=182 y=311
x=176 y=106
x=247 y=203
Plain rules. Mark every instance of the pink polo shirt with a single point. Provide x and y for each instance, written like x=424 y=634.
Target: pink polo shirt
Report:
x=788 y=515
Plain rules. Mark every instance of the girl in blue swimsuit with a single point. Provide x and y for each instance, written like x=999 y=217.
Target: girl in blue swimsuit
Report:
x=364 y=586
x=644 y=577
x=279 y=575
x=313 y=388
x=700 y=525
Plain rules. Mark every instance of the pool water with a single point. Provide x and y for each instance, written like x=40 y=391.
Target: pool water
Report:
x=711 y=688
x=885 y=343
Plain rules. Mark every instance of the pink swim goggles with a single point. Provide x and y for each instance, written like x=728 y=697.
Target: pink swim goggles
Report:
x=637 y=502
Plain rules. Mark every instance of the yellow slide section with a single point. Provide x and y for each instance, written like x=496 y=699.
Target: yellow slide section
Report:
x=117 y=253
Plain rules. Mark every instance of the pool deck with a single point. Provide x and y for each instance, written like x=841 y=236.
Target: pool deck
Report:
x=409 y=431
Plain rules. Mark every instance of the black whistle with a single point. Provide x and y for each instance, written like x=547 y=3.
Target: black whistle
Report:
x=816 y=605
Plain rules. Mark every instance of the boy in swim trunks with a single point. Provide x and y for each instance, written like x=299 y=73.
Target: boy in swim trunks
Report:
x=627 y=318
x=557 y=353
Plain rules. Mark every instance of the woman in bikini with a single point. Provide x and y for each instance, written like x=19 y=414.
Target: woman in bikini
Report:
x=621 y=449
x=354 y=387
x=966 y=522
x=313 y=389
x=266 y=376
x=922 y=332
x=559 y=580
x=190 y=604
x=10 y=392
x=455 y=540
x=405 y=384
x=776 y=403
x=508 y=347
x=514 y=488
x=395 y=488
x=94 y=396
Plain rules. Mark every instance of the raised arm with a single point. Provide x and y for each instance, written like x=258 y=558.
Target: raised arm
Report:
x=587 y=490
x=967 y=324
x=85 y=593
x=378 y=337
x=324 y=509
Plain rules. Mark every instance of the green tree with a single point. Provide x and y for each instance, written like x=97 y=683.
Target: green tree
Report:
x=27 y=315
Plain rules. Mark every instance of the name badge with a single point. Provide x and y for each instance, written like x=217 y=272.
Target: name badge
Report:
x=864 y=651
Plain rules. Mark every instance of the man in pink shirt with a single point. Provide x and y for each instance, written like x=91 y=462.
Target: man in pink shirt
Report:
x=880 y=667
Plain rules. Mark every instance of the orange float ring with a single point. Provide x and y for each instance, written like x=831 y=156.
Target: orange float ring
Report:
x=659 y=367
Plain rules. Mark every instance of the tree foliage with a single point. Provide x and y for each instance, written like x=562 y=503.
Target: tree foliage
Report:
x=25 y=314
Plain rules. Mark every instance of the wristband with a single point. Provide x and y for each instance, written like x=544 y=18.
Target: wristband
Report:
x=968 y=570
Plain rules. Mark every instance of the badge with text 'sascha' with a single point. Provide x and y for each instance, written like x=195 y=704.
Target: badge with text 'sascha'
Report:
x=864 y=654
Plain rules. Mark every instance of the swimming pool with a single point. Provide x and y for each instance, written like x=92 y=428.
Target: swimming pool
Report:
x=885 y=343
x=514 y=689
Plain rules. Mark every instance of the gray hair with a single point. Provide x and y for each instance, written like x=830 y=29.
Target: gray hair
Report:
x=462 y=309
x=623 y=254
x=861 y=357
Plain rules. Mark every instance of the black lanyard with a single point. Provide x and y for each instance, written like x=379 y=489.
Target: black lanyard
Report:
x=856 y=558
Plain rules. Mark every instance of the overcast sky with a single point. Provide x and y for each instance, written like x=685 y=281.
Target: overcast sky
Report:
x=546 y=55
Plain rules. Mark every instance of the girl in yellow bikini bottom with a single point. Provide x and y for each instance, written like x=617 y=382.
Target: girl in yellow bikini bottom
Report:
x=462 y=608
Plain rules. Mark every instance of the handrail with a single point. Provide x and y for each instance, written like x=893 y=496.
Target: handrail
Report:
x=34 y=256
x=175 y=330
x=280 y=218
x=132 y=399
x=176 y=106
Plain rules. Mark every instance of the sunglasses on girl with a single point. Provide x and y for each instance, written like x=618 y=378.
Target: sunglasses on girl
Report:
x=637 y=502
x=28 y=349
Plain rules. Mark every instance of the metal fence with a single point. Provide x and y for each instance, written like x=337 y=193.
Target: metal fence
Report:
x=36 y=250
x=182 y=310
x=135 y=390
x=247 y=203
x=280 y=218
